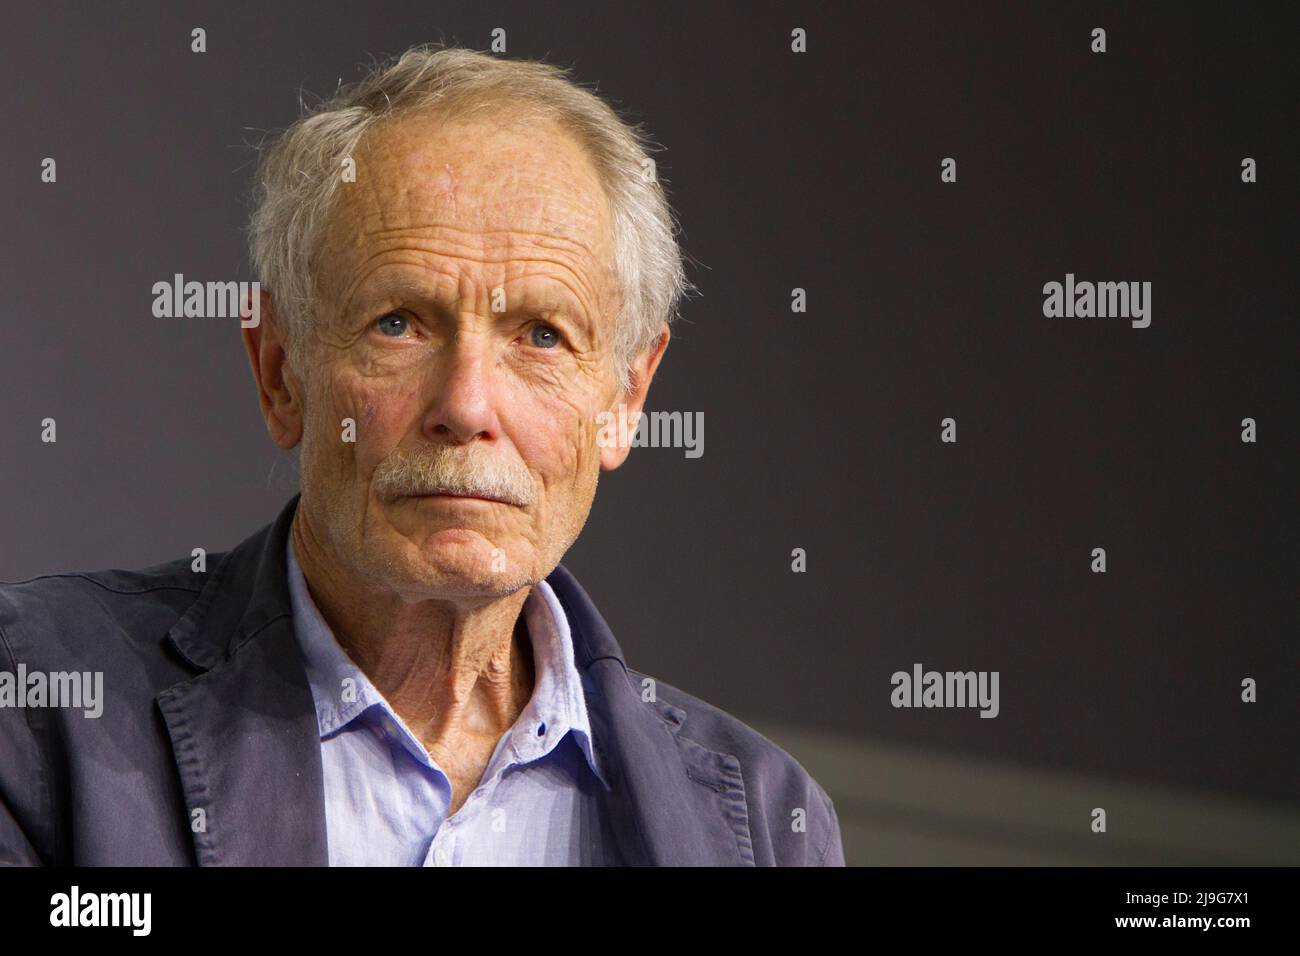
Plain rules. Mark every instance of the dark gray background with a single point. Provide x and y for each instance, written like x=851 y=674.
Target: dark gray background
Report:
x=822 y=430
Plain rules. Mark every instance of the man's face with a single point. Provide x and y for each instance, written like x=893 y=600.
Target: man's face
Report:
x=466 y=328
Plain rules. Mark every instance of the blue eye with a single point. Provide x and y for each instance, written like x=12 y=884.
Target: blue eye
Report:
x=392 y=325
x=545 y=330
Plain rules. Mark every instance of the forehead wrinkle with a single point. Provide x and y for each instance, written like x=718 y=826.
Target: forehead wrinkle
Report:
x=580 y=281
x=489 y=195
x=402 y=285
x=575 y=218
x=543 y=239
x=405 y=284
x=416 y=173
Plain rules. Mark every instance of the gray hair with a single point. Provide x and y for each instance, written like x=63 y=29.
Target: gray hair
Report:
x=298 y=176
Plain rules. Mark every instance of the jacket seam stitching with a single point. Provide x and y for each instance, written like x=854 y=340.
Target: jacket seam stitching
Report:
x=188 y=760
x=830 y=832
x=100 y=584
x=248 y=638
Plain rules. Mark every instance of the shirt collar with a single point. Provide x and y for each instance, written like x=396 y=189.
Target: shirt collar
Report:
x=342 y=691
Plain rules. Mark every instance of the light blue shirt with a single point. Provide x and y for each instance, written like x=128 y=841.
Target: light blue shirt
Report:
x=386 y=799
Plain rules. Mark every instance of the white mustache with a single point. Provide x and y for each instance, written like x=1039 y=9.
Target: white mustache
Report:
x=440 y=470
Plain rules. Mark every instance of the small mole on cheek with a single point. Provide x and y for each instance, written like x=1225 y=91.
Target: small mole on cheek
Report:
x=368 y=414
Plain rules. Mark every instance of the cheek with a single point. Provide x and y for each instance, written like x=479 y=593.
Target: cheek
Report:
x=380 y=413
x=558 y=441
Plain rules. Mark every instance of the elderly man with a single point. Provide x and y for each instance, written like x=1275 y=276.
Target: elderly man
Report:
x=466 y=265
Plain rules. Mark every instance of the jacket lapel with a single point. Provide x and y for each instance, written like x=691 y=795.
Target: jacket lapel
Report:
x=673 y=802
x=244 y=730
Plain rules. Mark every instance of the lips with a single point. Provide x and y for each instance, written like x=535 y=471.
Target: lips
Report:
x=453 y=494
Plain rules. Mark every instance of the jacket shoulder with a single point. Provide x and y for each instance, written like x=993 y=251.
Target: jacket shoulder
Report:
x=791 y=816
x=107 y=628
x=70 y=614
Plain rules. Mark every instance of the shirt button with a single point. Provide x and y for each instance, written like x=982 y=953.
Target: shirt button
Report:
x=441 y=857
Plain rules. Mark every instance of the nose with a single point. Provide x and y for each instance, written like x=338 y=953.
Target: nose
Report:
x=461 y=407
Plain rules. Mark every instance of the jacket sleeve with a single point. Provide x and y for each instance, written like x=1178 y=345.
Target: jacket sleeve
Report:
x=15 y=848
x=22 y=775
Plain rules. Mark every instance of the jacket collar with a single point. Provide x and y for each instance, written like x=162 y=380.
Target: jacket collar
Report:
x=247 y=747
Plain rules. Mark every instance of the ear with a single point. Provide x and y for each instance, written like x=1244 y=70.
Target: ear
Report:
x=278 y=389
x=630 y=403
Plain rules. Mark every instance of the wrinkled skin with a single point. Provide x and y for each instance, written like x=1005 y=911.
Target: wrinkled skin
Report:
x=425 y=593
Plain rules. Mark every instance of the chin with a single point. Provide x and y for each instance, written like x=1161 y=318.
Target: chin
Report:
x=464 y=567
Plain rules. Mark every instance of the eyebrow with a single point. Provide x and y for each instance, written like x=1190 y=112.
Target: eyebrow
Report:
x=547 y=302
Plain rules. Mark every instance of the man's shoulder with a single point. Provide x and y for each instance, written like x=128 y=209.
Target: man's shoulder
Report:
x=73 y=611
x=783 y=796
x=712 y=727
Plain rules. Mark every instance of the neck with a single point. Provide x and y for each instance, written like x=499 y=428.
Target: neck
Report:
x=450 y=669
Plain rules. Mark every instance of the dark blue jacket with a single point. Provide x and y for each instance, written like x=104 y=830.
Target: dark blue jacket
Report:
x=207 y=749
